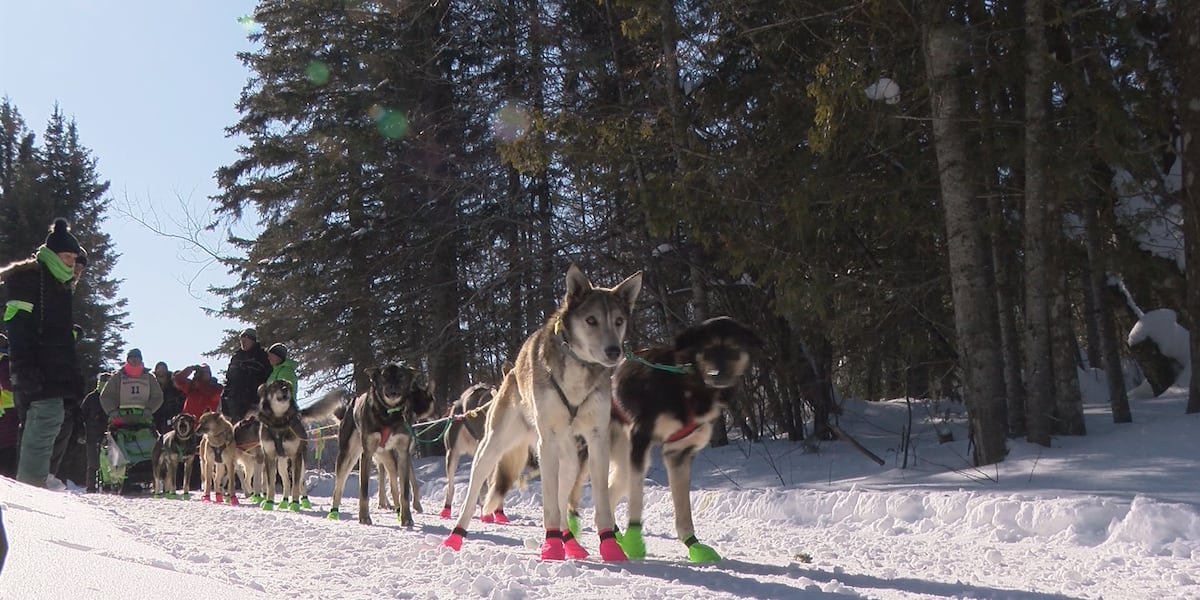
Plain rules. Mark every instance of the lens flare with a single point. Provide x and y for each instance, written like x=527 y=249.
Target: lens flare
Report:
x=249 y=25
x=391 y=124
x=317 y=73
x=511 y=122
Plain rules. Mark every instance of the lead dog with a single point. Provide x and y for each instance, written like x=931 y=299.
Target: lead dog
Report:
x=284 y=439
x=380 y=418
x=672 y=395
x=388 y=460
x=216 y=456
x=176 y=446
x=249 y=458
x=559 y=389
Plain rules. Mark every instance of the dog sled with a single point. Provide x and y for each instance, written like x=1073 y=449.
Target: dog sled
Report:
x=125 y=453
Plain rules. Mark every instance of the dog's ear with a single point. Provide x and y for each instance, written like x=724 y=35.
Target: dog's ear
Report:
x=577 y=282
x=505 y=367
x=688 y=339
x=628 y=290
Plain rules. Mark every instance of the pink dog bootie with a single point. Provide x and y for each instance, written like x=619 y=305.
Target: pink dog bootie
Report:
x=552 y=548
x=445 y=514
x=455 y=539
x=572 y=548
x=610 y=551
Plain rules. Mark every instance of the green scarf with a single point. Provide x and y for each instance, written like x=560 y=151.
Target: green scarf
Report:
x=58 y=268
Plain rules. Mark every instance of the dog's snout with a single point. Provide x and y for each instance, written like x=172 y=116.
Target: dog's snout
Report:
x=612 y=352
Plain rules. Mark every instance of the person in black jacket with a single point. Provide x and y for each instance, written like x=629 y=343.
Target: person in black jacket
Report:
x=95 y=423
x=41 y=345
x=247 y=370
x=172 y=398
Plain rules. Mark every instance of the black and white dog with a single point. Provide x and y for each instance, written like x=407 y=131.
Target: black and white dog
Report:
x=379 y=419
x=672 y=395
x=179 y=445
x=284 y=440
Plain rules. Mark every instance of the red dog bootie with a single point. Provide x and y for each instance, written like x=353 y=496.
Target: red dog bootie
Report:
x=552 y=548
x=445 y=514
x=499 y=516
x=233 y=501
x=220 y=498
x=610 y=551
x=571 y=547
x=455 y=539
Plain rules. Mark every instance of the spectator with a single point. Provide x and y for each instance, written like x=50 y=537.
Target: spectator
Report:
x=94 y=424
x=282 y=367
x=247 y=370
x=132 y=393
x=172 y=397
x=72 y=425
x=9 y=424
x=43 y=365
x=201 y=393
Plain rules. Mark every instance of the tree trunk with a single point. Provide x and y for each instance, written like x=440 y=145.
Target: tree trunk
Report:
x=1107 y=337
x=1068 y=402
x=971 y=287
x=1038 y=358
x=1186 y=24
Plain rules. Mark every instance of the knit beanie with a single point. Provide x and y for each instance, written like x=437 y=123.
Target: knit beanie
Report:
x=278 y=350
x=60 y=238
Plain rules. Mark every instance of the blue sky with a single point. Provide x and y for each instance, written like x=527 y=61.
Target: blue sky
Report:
x=151 y=84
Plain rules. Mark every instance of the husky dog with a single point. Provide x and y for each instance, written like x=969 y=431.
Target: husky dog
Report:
x=388 y=460
x=216 y=458
x=249 y=458
x=672 y=396
x=284 y=440
x=171 y=448
x=559 y=390
x=462 y=438
x=380 y=418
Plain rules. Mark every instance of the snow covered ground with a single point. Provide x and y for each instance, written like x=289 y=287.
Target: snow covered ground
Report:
x=1114 y=514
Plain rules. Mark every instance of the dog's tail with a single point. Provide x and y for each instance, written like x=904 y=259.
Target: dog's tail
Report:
x=333 y=403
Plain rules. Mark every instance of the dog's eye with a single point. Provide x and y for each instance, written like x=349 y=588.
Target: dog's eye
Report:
x=620 y=321
x=592 y=321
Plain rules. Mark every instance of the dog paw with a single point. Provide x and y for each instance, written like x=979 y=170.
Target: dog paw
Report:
x=445 y=514
x=220 y=498
x=294 y=506
x=700 y=553
x=333 y=515
x=233 y=501
x=453 y=541
x=205 y=498
x=487 y=518
x=552 y=549
x=500 y=517
x=632 y=543
x=305 y=503
x=268 y=505
x=573 y=522
x=573 y=550
x=610 y=550
x=365 y=520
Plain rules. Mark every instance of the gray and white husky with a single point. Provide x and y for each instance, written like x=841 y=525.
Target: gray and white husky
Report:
x=559 y=390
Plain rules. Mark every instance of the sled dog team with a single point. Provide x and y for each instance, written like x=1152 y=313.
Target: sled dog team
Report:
x=570 y=407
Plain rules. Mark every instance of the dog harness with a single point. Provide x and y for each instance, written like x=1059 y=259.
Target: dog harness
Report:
x=618 y=413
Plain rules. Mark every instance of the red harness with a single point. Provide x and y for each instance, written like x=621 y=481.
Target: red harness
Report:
x=688 y=428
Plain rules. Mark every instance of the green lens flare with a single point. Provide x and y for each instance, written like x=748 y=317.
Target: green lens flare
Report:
x=390 y=123
x=317 y=72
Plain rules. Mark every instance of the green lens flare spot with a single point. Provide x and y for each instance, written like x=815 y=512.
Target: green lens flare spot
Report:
x=390 y=123
x=317 y=72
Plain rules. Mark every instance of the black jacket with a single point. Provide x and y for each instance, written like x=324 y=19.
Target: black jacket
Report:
x=41 y=343
x=247 y=370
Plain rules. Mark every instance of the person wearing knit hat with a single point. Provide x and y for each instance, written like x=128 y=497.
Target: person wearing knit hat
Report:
x=38 y=314
x=282 y=367
x=248 y=369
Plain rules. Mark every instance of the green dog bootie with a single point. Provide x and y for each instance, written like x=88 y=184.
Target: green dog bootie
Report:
x=333 y=515
x=700 y=553
x=294 y=506
x=632 y=542
x=268 y=505
x=305 y=503
x=573 y=523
